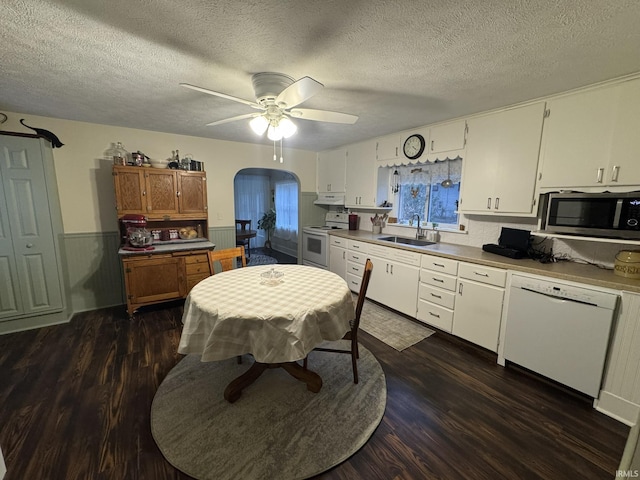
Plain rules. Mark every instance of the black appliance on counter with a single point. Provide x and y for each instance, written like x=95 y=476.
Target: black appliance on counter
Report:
x=513 y=243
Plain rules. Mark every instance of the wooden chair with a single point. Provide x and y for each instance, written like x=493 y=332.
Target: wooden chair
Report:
x=352 y=334
x=243 y=226
x=227 y=258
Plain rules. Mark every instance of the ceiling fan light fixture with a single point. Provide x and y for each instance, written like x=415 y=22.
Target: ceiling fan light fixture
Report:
x=274 y=133
x=287 y=127
x=259 y=124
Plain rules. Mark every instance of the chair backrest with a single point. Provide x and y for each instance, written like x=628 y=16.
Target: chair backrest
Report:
x=243 y=224
x=364 y=284
x=227 y=258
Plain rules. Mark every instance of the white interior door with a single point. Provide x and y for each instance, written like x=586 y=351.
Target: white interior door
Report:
x=31 y=267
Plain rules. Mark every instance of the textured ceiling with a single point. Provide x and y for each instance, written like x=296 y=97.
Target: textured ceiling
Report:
x=396 y=64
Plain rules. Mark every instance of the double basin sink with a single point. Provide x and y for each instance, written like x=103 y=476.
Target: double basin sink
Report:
x=407 y=241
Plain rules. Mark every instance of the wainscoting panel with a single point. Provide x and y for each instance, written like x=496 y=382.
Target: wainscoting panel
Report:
x=95 y=274
x=620 y=393
x=223 y=237
x=309 y=213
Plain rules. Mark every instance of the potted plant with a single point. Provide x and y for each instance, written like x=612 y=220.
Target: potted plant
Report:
x=268 y=223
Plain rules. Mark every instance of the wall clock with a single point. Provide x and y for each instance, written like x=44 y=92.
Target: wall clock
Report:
x=413 y=146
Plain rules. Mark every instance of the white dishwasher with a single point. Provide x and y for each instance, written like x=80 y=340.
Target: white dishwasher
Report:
x=559 y=330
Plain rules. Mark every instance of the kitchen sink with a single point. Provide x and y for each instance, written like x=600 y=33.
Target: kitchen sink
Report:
x=407 y=241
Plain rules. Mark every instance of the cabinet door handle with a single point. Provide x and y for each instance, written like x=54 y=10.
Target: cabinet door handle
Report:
x=387 y=268
x=480 y=274
x=488 y=203
x=439 y=265
x=614 y=173
x=29 y=245
x=437 y=296
x=497 y=203
x=344 y=255
x=392 y=269
x=460 y=288
x=177 y=194
x=434 y=314
x=438 y=279
x=144 y=192
x=432 y=145
x=599 y=177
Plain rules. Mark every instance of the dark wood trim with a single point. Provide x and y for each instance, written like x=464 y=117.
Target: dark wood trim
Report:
x=20 y=134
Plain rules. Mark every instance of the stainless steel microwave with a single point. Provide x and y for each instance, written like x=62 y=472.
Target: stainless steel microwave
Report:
x=610 y=215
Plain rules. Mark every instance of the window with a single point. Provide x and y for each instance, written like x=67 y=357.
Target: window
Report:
x=420 y=192
x=286 y=202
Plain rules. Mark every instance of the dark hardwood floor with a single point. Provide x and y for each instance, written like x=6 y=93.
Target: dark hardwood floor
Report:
x=75 y=402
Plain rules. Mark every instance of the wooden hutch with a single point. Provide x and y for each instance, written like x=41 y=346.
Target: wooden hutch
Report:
x=170 y=200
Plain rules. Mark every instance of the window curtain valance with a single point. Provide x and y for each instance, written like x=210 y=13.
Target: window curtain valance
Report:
x=428 y=173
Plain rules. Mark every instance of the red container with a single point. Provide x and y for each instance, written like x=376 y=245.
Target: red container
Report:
x=353 y=221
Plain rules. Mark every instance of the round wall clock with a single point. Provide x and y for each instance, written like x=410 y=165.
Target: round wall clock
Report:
x=413 y=146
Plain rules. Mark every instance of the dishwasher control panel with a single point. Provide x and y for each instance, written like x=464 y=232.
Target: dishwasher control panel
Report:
x=565 y=291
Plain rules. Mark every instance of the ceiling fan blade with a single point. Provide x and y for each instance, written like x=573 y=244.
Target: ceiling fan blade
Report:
x=323 y=116
x=232 y=119
x=223 y=95
x=298 y=92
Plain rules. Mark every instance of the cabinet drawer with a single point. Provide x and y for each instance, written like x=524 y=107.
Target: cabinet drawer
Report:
x=361 y=247
x=482 y=274
x=337 y=241
x=353 y=281
x=197 y=268
x=439 y=264
x=356 y=257
x=356 y=269
x=193 y=280
x=438 y=296
x=435 y=315
x=405 y=256
x=440 y=280
x=199 y=258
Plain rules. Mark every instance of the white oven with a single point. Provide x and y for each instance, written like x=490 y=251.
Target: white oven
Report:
x=315 y=240
x=315 y=247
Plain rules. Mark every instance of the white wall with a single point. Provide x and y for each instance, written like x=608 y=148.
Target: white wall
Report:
x=85 y=182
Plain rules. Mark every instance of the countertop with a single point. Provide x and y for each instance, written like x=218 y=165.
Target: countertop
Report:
x=171 y=247
x=563 y=270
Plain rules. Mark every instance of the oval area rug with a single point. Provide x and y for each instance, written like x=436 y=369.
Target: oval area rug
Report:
x=277 y=429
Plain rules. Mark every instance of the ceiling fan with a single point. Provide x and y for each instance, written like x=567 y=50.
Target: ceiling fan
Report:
x=277 y=96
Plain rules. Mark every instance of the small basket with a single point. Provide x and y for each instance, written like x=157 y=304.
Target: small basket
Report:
x=627 y=264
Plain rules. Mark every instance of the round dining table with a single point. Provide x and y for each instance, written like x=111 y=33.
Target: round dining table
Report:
x=276 y=313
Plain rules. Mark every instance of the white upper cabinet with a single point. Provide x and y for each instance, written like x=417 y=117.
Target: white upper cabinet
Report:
x=446 y=137
x=362 y=175
x=501 y=161
x=591 y=140
x=331 y=170
x=388 y=148
x=624 y=166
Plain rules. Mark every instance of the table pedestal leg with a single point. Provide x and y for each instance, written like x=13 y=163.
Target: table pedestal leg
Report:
x=234 y=389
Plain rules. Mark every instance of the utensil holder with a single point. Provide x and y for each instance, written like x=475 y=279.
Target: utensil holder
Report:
x=376 y=229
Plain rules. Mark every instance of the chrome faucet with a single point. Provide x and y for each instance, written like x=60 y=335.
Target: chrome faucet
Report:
x=419 y=231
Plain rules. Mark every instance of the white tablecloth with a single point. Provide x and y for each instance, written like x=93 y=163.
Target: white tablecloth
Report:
x=234 y=312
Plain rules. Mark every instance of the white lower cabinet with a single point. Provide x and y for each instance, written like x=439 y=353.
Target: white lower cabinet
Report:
x=478 y=304
x=338 y=260
x=394 y=278
x=338 y=256
x=436 y=293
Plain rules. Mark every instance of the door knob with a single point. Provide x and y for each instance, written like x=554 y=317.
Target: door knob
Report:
x=29 y=245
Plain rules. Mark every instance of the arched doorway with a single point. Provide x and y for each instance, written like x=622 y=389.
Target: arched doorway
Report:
x=256 y=191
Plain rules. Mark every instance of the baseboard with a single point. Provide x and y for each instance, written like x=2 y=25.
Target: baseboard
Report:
x=39 y=321
x=618 y=408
